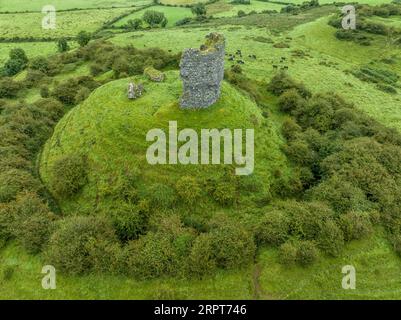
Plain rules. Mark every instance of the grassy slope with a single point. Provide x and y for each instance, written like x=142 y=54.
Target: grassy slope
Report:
x=318 y=38
x=67 y=23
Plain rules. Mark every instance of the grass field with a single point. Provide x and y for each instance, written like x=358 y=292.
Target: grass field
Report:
x=67 y=23
x=172 y=14
x=37 y=5
x=223 y=8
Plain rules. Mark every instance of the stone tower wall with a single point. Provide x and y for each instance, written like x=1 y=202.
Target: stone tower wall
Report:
x=202 y=71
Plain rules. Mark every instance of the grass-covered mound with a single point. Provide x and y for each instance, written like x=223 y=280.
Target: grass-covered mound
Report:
x=100 y=149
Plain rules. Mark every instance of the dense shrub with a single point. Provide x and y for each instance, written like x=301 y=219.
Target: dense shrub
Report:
x=152 y=255
x=273 y=228
x=9 y=88
x=233 y=246
x=307 y=252
x=290 y=101
x=68 y=175
x=281 y=82
x=290 y=129
x=188 y=189
x=340 y=194
x=201 y=261
x=331 y=238
x=77 y=240
x=14 y=181
x=355 y=225
x=225 y=192
x=129 y=221
x=287 y=254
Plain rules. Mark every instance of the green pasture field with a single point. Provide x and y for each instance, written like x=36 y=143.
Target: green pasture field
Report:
x=25 y=25
x=181 y=2
x=37 y=5
x=224 y=8
x=173 y=14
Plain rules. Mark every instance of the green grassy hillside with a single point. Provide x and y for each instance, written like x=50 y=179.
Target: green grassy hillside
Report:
x=111 y=130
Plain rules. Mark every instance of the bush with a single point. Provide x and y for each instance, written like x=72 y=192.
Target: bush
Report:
x=129 y=222
x=282 y=82
x=77 y=240
x=290 y=101
x=290 y=129
x=287 y=254
x=201 y=261
x=307 y=253
x=68 y=175
x=241 y=13
x=44 y=92
x=30 y=221
x=341 y=195
x=188 y=189
x=183 y=21
x=14 y=181
x=152 y=255
x=355 y=225
x=83 y=38
x=331 y=238
x=225 y=193
x=153 y=18
x=9 y=88
x=233 y=246
x=273 y=228
x=306 y=218
x=300 y=152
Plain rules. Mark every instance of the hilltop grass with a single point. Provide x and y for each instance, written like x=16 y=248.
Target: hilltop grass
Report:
x=112 y=133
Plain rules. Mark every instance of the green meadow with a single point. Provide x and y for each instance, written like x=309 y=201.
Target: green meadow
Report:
x=172 y=14
x=37 y=5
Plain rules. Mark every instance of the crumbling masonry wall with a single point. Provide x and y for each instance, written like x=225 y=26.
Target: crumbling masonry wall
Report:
x=202 y=71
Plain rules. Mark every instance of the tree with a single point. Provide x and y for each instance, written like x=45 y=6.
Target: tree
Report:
x=16 y=63
x=199 y=9
x=62 y=45
x=153 y=17
x=134 y=24
x=83 y=38
x=18 y=54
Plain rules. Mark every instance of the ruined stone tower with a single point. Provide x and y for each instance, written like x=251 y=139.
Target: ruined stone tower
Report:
x=202 y=71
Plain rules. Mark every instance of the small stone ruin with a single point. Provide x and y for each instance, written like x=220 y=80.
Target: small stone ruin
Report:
x=135 y=90
x=202 y=71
